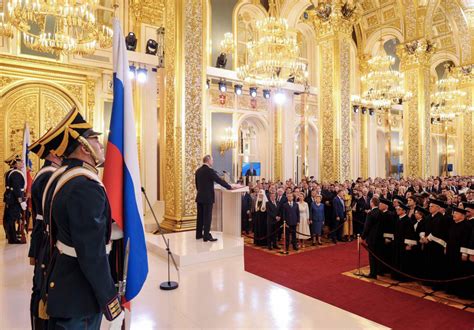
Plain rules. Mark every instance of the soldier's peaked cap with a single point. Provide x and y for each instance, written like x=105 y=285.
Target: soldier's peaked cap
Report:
x=63 y=139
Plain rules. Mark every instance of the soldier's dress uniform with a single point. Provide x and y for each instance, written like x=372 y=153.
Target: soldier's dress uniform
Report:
x=10 y=162
x=79 y=287
x=15 y=184
x=39 y=242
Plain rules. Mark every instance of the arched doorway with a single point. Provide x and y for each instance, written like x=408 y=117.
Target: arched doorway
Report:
x=253 y=145
x=41 y=105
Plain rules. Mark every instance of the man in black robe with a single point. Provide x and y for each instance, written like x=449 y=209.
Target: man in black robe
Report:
x=436 y=232
x=387 y=224
x=246 y=211
x=404 y=240
x=372 y=237
x=457 y=252
x=418 y=250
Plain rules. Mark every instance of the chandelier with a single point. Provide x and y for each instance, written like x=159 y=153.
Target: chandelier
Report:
x=448 y=100
x=273 y=54
x=59 y=26
x=6 y=29
x=384 y=86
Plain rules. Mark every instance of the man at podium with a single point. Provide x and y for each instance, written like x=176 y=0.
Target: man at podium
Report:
x=205 y=178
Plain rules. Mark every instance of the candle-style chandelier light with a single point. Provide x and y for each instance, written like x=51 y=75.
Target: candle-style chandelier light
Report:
x=273 y=54
x=59 y=26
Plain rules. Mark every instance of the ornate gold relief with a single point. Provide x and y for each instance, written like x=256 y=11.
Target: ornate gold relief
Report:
x=90 y=100
x=184 y=121
x=148 y=11
x=327 y=122
x=193 y=148
x=77 y=91
x=415 y=58
x=345 y=131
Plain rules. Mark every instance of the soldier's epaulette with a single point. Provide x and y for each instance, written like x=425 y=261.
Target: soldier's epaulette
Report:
x=87 y=171
x=46 y=169
x=113 y=309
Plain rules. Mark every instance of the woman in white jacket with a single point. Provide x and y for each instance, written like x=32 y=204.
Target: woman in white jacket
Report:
x=303 y=226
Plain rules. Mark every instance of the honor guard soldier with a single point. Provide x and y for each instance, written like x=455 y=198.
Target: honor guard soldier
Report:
x=6 y=195
x=79 y=286
x=14 y=198
x=39 y=245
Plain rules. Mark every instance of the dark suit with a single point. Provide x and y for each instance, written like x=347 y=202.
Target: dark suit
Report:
x=291 y=214
x=374 y=238
x=338 y=212
x=205 y=178
x=272 y=223
x=362 y=205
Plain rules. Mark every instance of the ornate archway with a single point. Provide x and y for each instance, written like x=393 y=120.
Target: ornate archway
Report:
x=40 y=105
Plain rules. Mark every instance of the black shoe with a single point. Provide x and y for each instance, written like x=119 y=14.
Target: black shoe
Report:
x=370 y=276
x=334 y=241
x=270 y=248
x=198 y=237
x=210 y=239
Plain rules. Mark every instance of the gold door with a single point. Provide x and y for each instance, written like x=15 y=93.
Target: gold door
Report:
x=41 y=106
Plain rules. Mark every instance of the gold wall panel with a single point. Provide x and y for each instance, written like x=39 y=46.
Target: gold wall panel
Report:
x=41 y=106
x=415 y=63
x=184 y=111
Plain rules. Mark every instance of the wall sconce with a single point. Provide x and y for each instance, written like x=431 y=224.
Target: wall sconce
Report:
x=229 y=142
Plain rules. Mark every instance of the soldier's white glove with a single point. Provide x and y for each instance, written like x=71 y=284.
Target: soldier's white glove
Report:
x=23 y=205
x=116 y=324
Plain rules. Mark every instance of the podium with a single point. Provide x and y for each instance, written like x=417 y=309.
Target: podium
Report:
x=227 y=211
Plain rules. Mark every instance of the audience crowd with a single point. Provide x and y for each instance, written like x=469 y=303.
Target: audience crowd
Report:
x=420 y=229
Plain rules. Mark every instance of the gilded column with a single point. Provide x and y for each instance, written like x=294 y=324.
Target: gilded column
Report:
x=415 y=64
x=334 y=30
x=304 y=132
x=184 y=78
x=466 y=75
x=278 y=173
x=364 y=127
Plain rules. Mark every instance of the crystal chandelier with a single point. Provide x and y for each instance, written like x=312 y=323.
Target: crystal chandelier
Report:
x=273 y=55
x=383 y=85
x=76 y=30
x=448 y=100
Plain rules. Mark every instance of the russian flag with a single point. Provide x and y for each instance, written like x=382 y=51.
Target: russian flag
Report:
x=26 y=160
x=121 y=172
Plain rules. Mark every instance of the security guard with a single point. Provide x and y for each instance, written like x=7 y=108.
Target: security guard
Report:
x=79 y=285
x=14 y=198
x=39 y=245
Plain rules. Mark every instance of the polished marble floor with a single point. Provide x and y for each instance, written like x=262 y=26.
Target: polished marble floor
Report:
x=212 y=295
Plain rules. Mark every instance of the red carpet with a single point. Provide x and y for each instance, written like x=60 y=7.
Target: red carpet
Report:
x=318 y=274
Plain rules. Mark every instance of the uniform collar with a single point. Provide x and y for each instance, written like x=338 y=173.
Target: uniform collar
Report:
x=74 y=162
